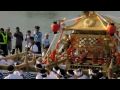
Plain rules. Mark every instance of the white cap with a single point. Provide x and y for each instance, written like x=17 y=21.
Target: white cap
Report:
x=78 y=72
x=16 y=73
x=59 y=73
x=90 y=72
x=38 y=62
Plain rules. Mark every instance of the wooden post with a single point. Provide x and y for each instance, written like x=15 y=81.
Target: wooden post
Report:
x=26 y=61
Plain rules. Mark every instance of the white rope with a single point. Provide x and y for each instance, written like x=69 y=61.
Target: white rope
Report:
x=117 y=24
x=72 y=19
x=102 y=18
x=112 y=16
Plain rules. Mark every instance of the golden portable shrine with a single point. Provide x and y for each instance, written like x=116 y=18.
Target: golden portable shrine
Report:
x=85 y=44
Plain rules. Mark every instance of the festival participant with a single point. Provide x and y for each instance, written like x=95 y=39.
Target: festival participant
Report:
x=46 y=43
x=90 y=73
x=95 y=73
x=79 y=74
x=38 y=38
x=27 y=38
x=3 y=41
x=101 y=76
x=18 y=71
x=28 y=35
x=33 y=48
x=111 y=29
x=70 y=74
x=19 y=39
x=42 y=73
x=53 y=73
x=11 y=75
x=61 y=74
x=9 y=33
x=55 y=27
x=38 y=68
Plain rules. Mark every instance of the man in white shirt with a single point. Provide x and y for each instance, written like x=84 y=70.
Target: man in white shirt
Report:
x=33 y=47
x=11 y=75
x=46 y=43
x=42 y=74
x=38 y=68
x=79 y=74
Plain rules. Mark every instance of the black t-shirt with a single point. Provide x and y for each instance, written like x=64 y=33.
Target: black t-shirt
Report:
x=19 y=38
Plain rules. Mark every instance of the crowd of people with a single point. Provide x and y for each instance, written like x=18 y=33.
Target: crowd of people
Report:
x=35 y=44
x=34 y=41
x=57 y=72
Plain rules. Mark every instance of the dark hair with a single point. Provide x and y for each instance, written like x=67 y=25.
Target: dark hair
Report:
x=17 y=28
x=37 y=27
x=39 y=66
x=10 y=68
x=71 y=72
x=2 y=29
x=28 y=31
x=56 y=68
x=44 y=75
x=63 y=72
x=43 y=71
x=55 y=22
x=112 y=24
x=100 y=75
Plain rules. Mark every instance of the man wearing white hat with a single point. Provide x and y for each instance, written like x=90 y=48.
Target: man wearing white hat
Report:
x=18 y=72
x=46 y=42
x=38 y=68
x=79 y=74
x=11 y=75
x=42 y=74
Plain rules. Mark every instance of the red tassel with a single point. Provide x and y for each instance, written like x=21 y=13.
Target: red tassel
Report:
x=52 y=56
